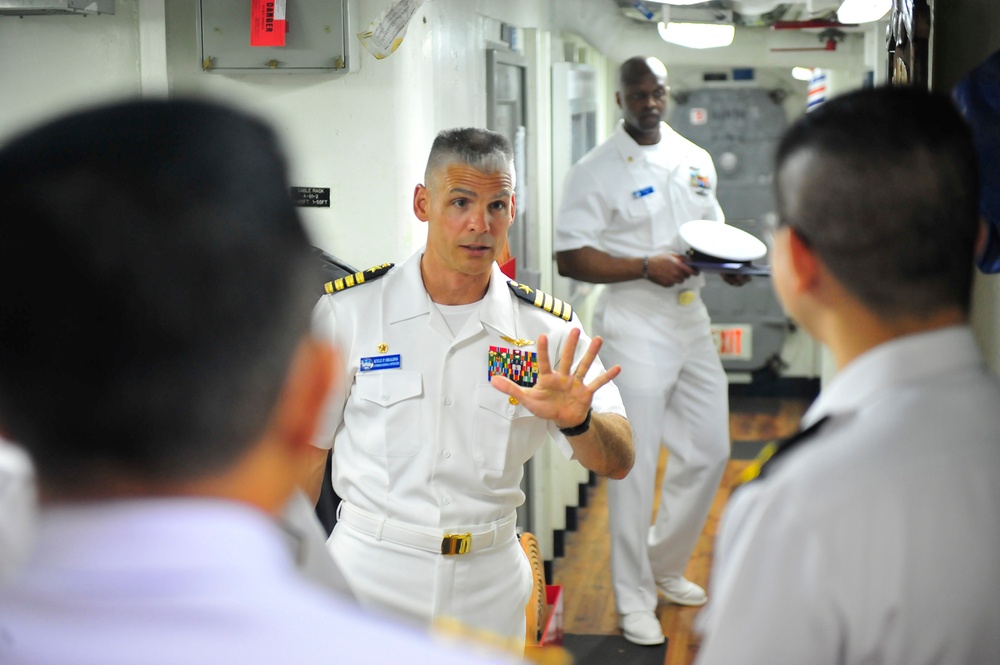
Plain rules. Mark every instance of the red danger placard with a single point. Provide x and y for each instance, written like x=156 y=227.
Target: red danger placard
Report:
x=267 y=23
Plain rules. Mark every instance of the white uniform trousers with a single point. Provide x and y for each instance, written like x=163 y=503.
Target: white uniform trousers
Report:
x=483 y=591
x=676 y=394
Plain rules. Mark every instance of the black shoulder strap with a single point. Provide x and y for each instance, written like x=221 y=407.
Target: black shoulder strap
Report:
x=772 y=451
x=347 y=281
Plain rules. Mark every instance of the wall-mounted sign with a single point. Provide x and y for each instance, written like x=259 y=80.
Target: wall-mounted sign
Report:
x=267 y=23
x=385 y=33
x=733 y=341
x=311 y=197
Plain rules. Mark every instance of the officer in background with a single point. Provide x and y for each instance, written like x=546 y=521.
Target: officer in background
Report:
x=872 y=537
x=453 y=377
x=156 y=363
x=618 y=224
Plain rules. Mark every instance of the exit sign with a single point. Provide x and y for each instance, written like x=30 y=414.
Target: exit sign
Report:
x=733 y=341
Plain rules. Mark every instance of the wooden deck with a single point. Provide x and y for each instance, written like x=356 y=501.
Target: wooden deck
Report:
x=584 y=572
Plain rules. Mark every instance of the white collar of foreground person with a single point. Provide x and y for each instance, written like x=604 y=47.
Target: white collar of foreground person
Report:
x=907 y=360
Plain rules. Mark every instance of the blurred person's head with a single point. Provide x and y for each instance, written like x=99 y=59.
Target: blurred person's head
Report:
x=878 y=190
x=159 y=283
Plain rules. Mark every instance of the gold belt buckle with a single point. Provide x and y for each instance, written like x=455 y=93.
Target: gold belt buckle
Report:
x=685 y=297
x=456 y=543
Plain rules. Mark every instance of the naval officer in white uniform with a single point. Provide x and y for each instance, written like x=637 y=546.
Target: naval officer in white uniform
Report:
x=453 y=377
x=618 y=224
x=874 y=536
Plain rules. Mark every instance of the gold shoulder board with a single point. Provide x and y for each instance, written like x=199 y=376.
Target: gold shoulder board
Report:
x=348 y=281
x=540 y=299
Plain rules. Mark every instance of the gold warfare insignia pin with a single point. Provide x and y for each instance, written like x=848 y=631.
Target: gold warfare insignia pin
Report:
x=518 y=341
x=383 y=347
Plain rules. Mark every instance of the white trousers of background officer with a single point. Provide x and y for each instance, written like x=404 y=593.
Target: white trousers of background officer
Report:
x=676 y=394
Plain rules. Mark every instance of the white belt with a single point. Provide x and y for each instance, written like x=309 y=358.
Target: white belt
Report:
x=438 y=541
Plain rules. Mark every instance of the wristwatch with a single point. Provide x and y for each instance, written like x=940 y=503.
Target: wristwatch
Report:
x=579 y=429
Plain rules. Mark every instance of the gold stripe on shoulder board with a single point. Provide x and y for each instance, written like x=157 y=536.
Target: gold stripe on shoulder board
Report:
x=542 y=300
x=357 y=278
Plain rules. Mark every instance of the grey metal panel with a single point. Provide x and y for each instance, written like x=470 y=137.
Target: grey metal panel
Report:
x=316 y=40
x=740 y=128
x=42 y=7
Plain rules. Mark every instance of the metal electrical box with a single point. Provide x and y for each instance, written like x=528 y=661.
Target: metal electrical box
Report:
x=316 y=39
x=53 y=7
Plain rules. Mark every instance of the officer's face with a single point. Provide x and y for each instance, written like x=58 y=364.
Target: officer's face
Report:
x=644 y=102
x=468 y=214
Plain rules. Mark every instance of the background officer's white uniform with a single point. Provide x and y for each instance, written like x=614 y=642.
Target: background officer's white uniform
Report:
x=428 y=446
x=630 y=200
x=876 y=539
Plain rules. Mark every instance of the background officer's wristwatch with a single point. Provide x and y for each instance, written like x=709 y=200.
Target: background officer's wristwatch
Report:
x=579 y=429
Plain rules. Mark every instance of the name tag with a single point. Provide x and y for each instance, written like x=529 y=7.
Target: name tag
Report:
x=380 y=362
x=639 y=193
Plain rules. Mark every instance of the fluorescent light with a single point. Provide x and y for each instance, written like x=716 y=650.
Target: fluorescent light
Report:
x=802 y=73
x=677 y=3
x=863 y=11
x=697 y=35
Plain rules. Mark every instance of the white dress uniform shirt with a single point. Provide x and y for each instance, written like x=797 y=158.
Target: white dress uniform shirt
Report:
x=193 y=581
x=630 y=200
x=877 y=540
x=430 y=445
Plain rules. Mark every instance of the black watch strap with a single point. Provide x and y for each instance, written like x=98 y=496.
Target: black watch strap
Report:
x=579 y=429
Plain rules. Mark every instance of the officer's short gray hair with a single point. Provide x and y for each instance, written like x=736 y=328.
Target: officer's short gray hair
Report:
x=482 y=149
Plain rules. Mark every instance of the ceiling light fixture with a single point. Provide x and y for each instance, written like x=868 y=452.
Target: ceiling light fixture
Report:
x=697 y=35
x=802 y=73
x=863 y=11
